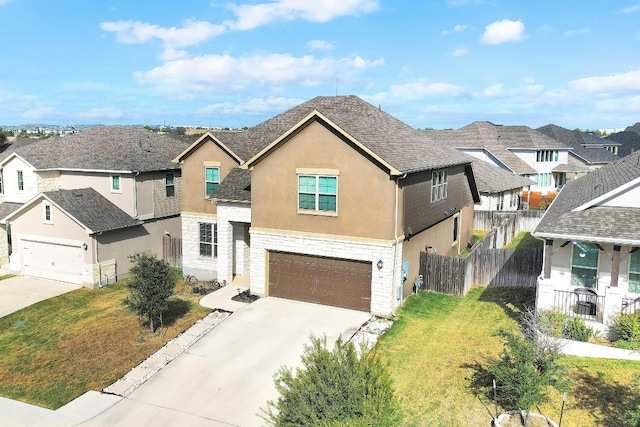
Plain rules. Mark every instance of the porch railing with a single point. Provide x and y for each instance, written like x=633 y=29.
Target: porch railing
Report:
x=630 y=305
x=575 y=304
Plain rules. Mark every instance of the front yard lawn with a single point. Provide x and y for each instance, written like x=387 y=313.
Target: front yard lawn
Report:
x=524 y=240
x=439 y=341
x=57 y=349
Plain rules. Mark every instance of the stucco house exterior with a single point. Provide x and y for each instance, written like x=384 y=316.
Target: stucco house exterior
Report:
x=329 y=202
x=592 y=235
x=126 y=171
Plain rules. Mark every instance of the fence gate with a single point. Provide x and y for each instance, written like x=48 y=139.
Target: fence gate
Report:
x=172 y=251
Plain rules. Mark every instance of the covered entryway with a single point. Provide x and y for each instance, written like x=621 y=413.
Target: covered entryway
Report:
x=53 y=261
x=329 y=281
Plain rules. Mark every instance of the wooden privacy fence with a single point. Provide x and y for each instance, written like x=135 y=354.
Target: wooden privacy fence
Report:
x=172 y=251
x=482 y=268
x=523 y=220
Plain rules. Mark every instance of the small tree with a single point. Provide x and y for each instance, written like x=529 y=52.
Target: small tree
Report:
x=150 y=286
x=334 y=388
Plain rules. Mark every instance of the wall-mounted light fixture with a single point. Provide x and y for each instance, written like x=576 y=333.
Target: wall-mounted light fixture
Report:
x=84 y=246
x=380 y=264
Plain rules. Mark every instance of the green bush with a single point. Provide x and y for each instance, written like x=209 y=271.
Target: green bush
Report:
x=576 y=329
x=627 y=326
x=551 y=323
x=631 y=418
x=334 y=388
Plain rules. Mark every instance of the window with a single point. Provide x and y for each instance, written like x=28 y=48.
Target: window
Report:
x=47 y=213
x=500 y=202
x=20 y=181
x=514 y=199
x=115 y=183
x=212 y=180
x=543 y=179
x=318 y=193
x=547 y=155
x=456 y=226
x=169 y=185
x=634 y=272
x=438 y=185
x=208 y=240
x=584 y=265
x=612 y=149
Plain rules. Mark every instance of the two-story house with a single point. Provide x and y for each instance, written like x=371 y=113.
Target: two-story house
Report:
x=76 y=207
x=329 y=202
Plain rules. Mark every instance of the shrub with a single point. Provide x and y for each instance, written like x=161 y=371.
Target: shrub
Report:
x=334 y=388
x=627 y=326
x=551 y=323
x=576 y=329
x=631 y=418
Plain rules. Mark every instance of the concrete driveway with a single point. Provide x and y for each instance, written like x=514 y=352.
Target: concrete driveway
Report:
x=226 y=377
x=19 y=292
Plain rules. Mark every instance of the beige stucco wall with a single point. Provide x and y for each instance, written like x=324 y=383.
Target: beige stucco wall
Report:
x=101 y=182
x=194 y=199
x=366 y=195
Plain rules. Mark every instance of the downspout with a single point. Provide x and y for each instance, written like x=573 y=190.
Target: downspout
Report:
x=135 y=194
x=97 y=260
x=396 y=239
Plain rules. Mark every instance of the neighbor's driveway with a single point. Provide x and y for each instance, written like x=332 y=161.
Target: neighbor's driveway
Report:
x=226 y=377
x=19 y=292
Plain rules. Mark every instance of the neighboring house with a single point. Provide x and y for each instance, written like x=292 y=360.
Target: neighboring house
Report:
x=628 y=140
x=518 y=149
x=330 y=202
x=125 y=170
x=589 y=150
x=499 y=189
x=592 y=236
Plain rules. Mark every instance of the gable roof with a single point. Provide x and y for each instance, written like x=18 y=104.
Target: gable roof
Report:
x=586 y=146
x=629 y=141
x=87 y=207
x=108 y=148
x=493 y=179
x=236 y=187
x=575 y=215
x=233 y=145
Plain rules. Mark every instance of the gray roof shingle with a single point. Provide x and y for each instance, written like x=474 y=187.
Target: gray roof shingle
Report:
x=7 y=208
x=92 y=209
x=236 y=187
x=612 y=223
x=586 y=146
x=492 y=179
x=109 y=148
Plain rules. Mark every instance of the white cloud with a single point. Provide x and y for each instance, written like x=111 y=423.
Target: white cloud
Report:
x=172 y=54
x=251 y=16
x=631 y=9
x=458 y=28
x=494 y=90
x=601 y=84
x=99 y=113
x=252 y=106
x=38 y=113
x=577 y=32
x=503 y=31
x=423 y=89
x=320 y=45
x=192 y=32
x=225 y=74
x=459 y=52
x=3 y=2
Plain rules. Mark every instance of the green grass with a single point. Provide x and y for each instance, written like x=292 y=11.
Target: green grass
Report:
x=439 y=342
x=57 y=349
x=476 y=237
x=524 y=240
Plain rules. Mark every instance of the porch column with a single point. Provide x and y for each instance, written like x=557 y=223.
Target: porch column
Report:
x=548 y=254
x=615 y=266
x=225 y=249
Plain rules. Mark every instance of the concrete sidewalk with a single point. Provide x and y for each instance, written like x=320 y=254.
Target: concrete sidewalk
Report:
x=585 y=349
x=21 y=291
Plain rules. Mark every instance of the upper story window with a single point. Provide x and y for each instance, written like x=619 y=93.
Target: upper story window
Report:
x=634 y=272
x=612 y=149
x=439 y=180
x=47 y=213
x=20 y=181
x=115 y=184
x=169 y=185
x=547 y=156
x=318 y=193
x=212 y=179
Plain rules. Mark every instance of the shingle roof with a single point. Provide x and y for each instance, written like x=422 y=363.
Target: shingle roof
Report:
x=615 y=222
x=492 y=179
x=113 y=148
x=586 y=146
x=236 y=187
x=401 y=146
x=91 y=209
x=629 y=140
x=6 y=208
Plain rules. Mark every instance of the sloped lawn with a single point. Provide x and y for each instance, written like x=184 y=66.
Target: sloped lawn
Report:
x=440 y=341
x=55 y=350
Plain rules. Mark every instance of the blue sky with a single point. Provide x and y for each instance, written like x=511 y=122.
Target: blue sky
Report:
x=430 y=63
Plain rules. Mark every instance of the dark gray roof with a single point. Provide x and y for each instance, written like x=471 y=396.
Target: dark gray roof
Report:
x=402 y=147
x=492 y=179
x=6 y=208
x=608 y=223
x=91 y=209
x=236 y=187
x=110 y=148
x=629 y=141
x=587 y=146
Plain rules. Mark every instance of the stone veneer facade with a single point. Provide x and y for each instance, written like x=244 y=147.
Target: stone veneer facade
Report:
x=204 y=268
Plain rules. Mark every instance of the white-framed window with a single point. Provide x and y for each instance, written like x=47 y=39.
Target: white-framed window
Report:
x=20 y=181
x=318 y=193
x=211 y=179
x=439 y=180
x=500 y=202
x=208 y=239
x=514 y=199
x=116 y=184
x=456 y=228
x=543 y=179
x=584 y=265
x=46 y=213
x=169 y=185
x=634 y=272
x=547 y=156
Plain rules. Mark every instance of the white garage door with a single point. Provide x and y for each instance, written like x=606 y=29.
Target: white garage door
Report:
x=53 y=261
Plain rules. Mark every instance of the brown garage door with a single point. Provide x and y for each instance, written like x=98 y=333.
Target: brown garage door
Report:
x=329 y=281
